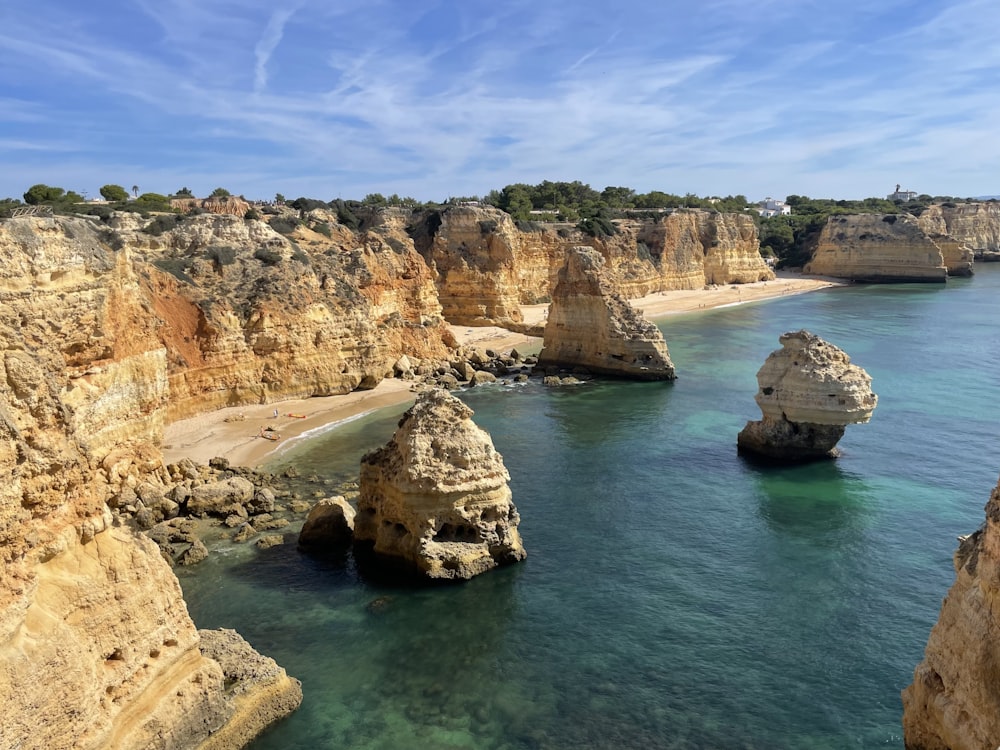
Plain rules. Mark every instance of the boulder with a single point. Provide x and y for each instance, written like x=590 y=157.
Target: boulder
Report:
x=591 y=326
x=809 y=392
x=329 y=526
x=435 y=498
x=214 y=497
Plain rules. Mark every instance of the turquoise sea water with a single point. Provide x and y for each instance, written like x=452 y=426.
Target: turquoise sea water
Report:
x=674 y=595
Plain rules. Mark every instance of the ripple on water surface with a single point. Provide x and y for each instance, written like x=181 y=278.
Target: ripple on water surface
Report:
x=675 y=595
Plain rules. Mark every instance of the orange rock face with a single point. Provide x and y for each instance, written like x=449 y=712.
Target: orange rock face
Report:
x=96 y=647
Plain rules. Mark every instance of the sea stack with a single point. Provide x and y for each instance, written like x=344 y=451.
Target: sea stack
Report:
x=954 y=700
x=809 y=393
x=435 y=498
x=592 y=327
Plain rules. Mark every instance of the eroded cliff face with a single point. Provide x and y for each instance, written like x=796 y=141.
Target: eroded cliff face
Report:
x=591 y=326
x=247 y=315
x=877 y=248
x=486 y=267
x=954 y=700
x=436 y=497
x=975 y=226
x=96 y=646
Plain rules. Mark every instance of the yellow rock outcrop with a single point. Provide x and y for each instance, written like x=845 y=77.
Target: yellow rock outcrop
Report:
x=485 y=267
x=435 y=498
x=975 y=226
x=954 y=700
x=877 y=248
x=96 y=646
x=591 y=326
x=809 y=391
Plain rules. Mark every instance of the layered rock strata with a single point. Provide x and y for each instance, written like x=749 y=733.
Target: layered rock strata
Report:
x=954 y=700
x=96 y=646
x=435 y=498
x=485 y=267
x=975 y=226
x=592 y=327
x=809 y=392
x=877 y=248
x=247 y=315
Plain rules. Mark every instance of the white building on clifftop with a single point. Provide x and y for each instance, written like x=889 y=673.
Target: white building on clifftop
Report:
x=901 y=195
x=770 y=207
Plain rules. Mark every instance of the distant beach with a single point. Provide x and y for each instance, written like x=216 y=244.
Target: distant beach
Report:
x=234 y=432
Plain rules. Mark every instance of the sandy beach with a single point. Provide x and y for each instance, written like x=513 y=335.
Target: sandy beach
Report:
x=234 y=433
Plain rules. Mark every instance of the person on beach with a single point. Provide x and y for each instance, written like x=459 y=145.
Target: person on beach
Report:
x=275 y=413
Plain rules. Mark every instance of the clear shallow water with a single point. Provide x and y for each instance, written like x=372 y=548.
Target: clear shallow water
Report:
x=675 y=595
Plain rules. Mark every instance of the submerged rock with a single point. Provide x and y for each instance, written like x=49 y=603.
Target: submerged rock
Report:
x=593 y=327
x=436 y=497
x=809 y=392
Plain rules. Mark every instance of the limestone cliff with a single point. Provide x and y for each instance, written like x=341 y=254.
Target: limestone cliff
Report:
x=590 y=326
x=692 y=248
x=485 y=267
x=954 y=700
x=435 y=497
x=96 y=647
x=809 y=391
x=975 y=226
x=877 y=248
x=249 y=316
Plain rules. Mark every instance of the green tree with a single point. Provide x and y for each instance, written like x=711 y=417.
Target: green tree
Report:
x=42 y=193
x=374 y=199
x=279 y=198
x=184 y=193
x=114 y=193
x=153 y=202
x=618 y=197
x=219 y=193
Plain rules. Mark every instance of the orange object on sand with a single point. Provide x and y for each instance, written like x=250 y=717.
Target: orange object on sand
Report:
x=296 y=416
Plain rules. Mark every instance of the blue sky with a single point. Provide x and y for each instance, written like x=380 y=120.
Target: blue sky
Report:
x=436 y=99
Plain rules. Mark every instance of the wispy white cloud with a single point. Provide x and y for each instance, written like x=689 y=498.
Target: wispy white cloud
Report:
x=270 y=39
x=794 y=97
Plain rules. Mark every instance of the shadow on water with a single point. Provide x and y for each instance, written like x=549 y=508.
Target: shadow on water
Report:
x=817 y=500
x=425 y=668
x=601 y=411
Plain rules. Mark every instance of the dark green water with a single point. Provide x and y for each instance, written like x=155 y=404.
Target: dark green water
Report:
x=675 y=596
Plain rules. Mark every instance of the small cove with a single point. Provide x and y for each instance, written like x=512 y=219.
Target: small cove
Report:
x=675 y=595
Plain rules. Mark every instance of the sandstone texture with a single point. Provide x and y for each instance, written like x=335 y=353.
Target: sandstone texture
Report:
x=96 y=646
x=809 y=392
x=877 y=248
x=591 y=326
x=954 y=700
x=435 y=498
x=485 y=266
x=973 y=226
x=329 y=527
x=259 y=691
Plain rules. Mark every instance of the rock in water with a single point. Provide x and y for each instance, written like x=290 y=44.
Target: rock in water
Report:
x=593 y=327
x=435 y=497
x=954 y=700
x=809 y=392
x=329 y=526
